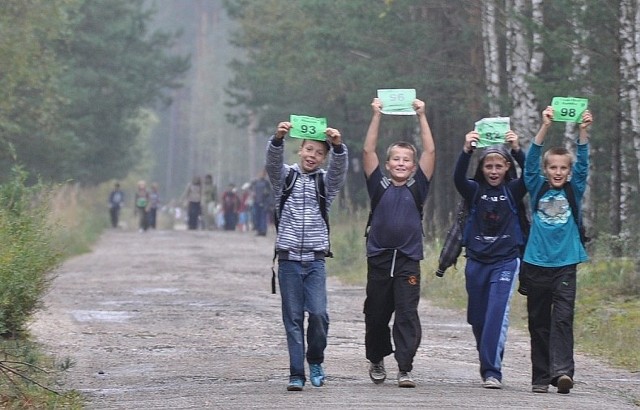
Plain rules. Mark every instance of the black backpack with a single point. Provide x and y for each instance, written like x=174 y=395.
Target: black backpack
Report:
x=452 y=246
x=377 y=195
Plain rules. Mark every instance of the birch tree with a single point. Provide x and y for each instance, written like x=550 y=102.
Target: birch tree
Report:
x=628 y=94
x=491 y=56
x=524 y=59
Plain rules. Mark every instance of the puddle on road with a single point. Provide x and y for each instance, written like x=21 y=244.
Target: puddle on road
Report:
x=101 y=316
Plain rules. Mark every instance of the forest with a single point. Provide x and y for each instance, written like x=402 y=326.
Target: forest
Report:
x=94 y=91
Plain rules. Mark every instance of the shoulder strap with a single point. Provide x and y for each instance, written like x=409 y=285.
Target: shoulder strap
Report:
x=377 y=195
x=573 y=204
x=289 y=181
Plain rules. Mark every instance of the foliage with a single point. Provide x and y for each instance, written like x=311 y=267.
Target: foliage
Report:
x=83 y=71
x=27 y=254
x=306 y=58
x=25 y=377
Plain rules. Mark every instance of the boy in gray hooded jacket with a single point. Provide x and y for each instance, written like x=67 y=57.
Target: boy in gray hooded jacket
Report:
x=302 y=242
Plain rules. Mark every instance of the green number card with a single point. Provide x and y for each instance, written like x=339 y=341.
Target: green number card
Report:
x=310 y=128
x=397 y=101
x=492 y=130
x=569 y=109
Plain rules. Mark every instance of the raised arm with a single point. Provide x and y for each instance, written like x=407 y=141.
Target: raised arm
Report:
x=370 y=159
x=428 y=156
x=587 y=120
x=547 y=117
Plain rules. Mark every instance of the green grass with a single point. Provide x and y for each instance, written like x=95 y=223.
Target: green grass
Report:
x=607 y=321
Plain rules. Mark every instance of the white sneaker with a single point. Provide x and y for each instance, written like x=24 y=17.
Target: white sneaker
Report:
x=377 y=373
x=405 y=380
x=492 y=383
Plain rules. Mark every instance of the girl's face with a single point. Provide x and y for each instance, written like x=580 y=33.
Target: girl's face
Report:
x=557 y=170
x=494 y=168
x=401 y=164
x=312 y=154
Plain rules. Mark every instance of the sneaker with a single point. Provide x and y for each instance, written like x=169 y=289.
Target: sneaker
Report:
x=316 y=374
x=377 y=372
x=295 y=384
x=405 y=380
x=564 y=384
x=492 y=383
x=540 y=388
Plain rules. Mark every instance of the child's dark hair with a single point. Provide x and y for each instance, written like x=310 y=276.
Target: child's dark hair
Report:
x=503 y=152
x=326 y=143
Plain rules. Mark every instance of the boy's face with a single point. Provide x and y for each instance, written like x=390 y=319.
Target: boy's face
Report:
x=401 y=164
x=312 y=154
x=557 y=169
x=494 y=168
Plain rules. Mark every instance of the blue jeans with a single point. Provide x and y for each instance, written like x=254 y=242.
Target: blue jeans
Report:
x=303 y=289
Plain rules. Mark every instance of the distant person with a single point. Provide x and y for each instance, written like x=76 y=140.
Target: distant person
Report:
x=493 y=238
x=141 y=201
x=302 y=243
x=394 y=246
x=553 y=252
x=246 y=203
x=230 y=207
x=193 y=196
x=154 y=203
x=116 y=200
x=262 y=203
x=209 y=198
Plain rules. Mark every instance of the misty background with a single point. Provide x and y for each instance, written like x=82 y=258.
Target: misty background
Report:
x=98 y=91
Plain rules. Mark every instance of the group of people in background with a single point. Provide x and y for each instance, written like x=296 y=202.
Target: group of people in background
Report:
x=503 y=255
x=247 y=209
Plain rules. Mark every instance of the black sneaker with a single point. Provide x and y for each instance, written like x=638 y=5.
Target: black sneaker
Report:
x=565 y=384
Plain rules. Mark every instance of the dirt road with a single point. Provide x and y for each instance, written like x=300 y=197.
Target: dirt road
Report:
x=186 y=320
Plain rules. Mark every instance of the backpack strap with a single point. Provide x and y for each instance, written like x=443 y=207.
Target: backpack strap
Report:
x=321 y=197
x=377 y=195
x=573 y=204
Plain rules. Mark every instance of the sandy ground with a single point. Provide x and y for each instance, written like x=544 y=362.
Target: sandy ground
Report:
x=186 y=320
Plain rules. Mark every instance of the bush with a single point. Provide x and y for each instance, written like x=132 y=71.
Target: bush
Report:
x=27 y=254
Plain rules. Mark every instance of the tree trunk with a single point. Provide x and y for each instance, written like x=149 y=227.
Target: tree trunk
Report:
x=491 y=56
x=523 y=62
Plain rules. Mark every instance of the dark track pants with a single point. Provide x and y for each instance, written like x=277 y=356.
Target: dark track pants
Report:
x=389 y=292
x=550 y=305
x=490 y=287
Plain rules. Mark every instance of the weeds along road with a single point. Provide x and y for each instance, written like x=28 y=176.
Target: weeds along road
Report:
x=186 y=320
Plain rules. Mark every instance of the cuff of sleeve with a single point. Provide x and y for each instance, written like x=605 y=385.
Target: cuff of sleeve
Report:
x=338 y=149
x=276 y=142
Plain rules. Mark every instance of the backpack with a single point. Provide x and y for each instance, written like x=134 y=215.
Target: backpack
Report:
x=289 y=182
x=321 y=197
x=377 y=195
x=573 y=204
x=452 y=246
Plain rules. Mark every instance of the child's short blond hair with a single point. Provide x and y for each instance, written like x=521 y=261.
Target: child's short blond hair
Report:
x=403 y=144
x=562 y=151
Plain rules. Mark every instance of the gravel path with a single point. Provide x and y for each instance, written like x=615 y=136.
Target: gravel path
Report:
x=186 y=320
